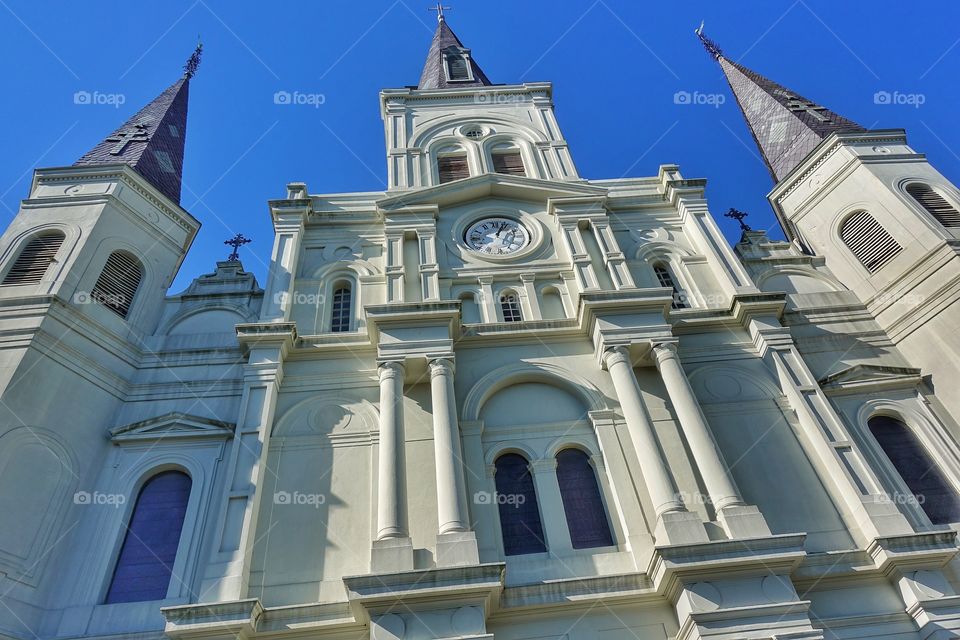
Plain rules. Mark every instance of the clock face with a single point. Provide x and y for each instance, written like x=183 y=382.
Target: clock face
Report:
x=496 y=236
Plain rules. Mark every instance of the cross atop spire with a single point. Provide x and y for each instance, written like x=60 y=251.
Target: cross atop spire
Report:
x=785 y=125
x=152 y=140
x=439 y=9
x=449 y=64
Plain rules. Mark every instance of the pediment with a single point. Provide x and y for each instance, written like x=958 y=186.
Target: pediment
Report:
x=172 y=426
x=489 y=185
x=867 y=376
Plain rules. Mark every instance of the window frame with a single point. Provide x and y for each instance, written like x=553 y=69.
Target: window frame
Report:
x=598 y=486
x=875 y=266
x=336 y=285
x=544 y=539
x=128 y=313
x=22 y=246
x=463 y=54
x=947 y=199
x=509 y=297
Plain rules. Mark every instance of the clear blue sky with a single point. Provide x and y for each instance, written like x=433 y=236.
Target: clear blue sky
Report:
x=615 y=65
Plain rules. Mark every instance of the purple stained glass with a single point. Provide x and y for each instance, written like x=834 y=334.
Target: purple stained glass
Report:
x=149 y=549
x=582 y=503
x=920 y=473
x=517 y=502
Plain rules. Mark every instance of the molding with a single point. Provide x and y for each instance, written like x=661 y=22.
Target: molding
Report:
x=173 y=425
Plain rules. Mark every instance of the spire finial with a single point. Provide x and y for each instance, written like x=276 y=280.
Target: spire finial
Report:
x=738 y=215
x=712 y=47
x=236 y=242
x=439 y=9
x=190 y=68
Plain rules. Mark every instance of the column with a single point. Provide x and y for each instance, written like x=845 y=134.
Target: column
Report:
x=456 y=543
x=392 y=550
x=532 y=310
x=277 y=298
x=389 y=494
x=656 y=476
x=582 y=264
x=694 y=425
x=613 y=257
x=429 y=269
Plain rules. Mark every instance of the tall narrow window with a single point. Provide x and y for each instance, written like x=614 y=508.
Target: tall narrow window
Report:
x=450 y=168
x=665 y=278
x=149 y=549
x=118 y=283
x=457 y=67
x=341 y=307
x=935 y=204
x=868 y=241
x=517 y=502
x=34 y=259
x=508 y=162
x=920 y=473
x=510 y=307
x=582 y=504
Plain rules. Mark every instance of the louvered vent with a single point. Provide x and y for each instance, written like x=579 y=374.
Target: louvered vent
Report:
x=935 y=204
x=458 y=68
x=452 y=168
x=868 y=241
x=32 y=263
x=509 y=163
x=117 y=284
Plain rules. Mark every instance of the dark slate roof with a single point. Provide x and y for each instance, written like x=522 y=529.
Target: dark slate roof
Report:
x=151 y=141
x=434 y=75
x=785 y=125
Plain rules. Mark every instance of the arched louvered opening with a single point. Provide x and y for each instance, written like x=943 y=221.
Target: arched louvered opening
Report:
x=868 y=241
x=582 y=503
x=508 y=161
x=35 y=258
x=145 y=564
x=510 y=306
x=516 y=500
x=452 y=167
x=935 y=204
x=665 y=278
x=341 y=309
x=920 y=473
x=118 y=282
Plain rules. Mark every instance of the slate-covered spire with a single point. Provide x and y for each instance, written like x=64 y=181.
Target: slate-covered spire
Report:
x=449 y=64
x=785 y=125
x=152 y=140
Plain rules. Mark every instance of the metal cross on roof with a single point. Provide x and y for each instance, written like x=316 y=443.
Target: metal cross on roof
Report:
x=738 y=215
x=236 y=242
x=191 y=67
x=439 y=9
x=136 y=133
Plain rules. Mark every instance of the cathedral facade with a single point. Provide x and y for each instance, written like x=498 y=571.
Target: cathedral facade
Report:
x=496 y=400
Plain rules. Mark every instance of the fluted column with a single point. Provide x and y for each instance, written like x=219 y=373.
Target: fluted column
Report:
x=389 y=495
x=446 y=443
x=656 y=476
x=707 y=456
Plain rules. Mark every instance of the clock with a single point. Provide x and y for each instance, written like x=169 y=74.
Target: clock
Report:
x=496 y=236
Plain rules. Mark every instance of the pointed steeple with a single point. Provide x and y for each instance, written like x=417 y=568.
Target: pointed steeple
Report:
x=785 y=125
x=449 y=64
x=152 y=140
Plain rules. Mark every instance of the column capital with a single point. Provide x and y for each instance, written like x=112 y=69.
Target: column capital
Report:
x=615 y=355
x=663 y=351
x=441 y=366
x=390 y=369
x=543 y=465
x=528 y=277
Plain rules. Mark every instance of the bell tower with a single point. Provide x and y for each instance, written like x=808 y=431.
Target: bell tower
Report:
x=885 y=221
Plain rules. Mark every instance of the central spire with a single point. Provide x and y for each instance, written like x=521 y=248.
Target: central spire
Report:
x=785 y=125
x=449 y=64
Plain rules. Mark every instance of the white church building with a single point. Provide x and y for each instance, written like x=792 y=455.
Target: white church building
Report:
x=496 y=400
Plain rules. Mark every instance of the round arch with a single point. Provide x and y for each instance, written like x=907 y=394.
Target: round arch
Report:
x=532 y=371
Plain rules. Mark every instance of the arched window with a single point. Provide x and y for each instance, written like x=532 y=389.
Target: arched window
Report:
x=510 y=307
x=457 y=66
x=34 y=259
x=868 y=241
x=145 y=563
x=920 y=473
x=341 y=307
x=452 y=167
x=517 y=502
x=582 y=504
x=508 y=161
x=665 y=278
x=935 y=204
x=118 y=282
x=469 y=311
